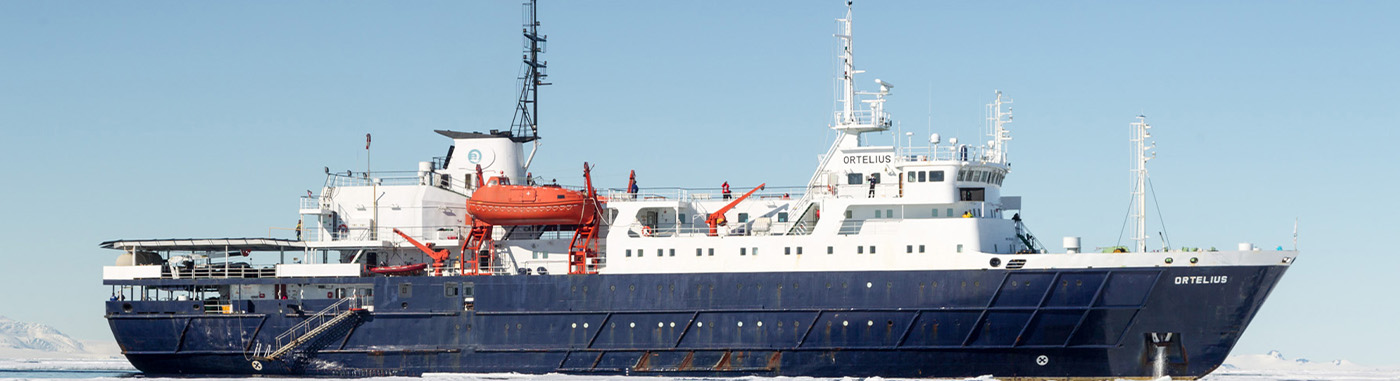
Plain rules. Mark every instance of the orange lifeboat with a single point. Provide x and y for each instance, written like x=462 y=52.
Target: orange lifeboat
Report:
x=496 y=203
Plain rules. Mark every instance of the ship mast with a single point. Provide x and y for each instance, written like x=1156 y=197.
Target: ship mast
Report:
x=849 y=120
x=524 y=126
x=996 y=127
x=1141 y=155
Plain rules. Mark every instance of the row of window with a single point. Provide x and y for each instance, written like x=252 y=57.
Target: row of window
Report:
x=746 y=251
x=925 y=176
x=744 y=217
x=981 y=176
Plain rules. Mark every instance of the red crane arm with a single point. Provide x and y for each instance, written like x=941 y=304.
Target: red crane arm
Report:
x=437 y=255
x=718 y=215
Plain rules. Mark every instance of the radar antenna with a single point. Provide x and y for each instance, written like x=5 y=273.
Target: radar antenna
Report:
x=525 y=125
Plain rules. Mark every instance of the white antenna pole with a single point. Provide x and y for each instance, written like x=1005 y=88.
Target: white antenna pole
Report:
x=996 y=127
x=848 y=69
x=1295 y=234
x=1138 y=141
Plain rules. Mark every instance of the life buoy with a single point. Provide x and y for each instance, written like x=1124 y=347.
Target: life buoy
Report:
x=342 y=228
x=831 y=189
x=261 y=295
x=646 y=231
x=330 y=295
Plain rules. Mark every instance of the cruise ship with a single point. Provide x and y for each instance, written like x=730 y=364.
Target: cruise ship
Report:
x=892 y=261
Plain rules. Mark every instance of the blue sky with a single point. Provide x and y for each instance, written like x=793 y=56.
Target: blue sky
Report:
x=195 y=119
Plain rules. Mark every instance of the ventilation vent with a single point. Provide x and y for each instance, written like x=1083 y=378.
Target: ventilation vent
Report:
x=1016 y=264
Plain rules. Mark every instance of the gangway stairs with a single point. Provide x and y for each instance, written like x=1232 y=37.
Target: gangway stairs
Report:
x=308 y=330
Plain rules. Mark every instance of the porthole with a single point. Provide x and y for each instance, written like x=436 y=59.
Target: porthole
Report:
x=741 y=324
x=869 y=285
x=845 y=323
x=575 y=325
x=760 y=324
x=700 y=324
x=612 y=288
x=869 y=323
x=632 y=325
x=661 y=325
x=585 y=325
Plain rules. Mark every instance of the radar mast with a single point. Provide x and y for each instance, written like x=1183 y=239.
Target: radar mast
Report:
x=525 y=125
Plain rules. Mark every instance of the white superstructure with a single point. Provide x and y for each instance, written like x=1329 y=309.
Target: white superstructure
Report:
x=866 y=206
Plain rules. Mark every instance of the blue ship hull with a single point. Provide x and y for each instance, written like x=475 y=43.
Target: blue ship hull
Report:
x=1093 y=323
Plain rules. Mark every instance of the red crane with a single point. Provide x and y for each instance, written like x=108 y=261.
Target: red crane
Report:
x=438 y=256
x=717 y=218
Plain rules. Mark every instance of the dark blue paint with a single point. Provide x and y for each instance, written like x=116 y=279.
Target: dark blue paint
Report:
x=1090 y=323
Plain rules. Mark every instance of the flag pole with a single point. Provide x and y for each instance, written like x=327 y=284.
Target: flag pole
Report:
x=373 y=194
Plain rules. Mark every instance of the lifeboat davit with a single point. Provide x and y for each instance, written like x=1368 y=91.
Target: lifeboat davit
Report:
x=511 y=205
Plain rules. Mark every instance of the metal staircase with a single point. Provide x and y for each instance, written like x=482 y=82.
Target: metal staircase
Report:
x=311 y=328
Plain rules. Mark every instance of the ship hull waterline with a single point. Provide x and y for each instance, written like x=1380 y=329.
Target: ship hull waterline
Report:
x=1071 y=323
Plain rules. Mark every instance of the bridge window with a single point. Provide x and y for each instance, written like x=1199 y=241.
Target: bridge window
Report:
x=787 y=250
x=629 y=252
x=855 y=179
x=860 y=249
x=830 y=250
x=755 y=251
x=743 y=217
x=711 y=252
x=922 y=177
x=659 y=253
x=911 y=176
x=935 y=212
x=972 y=194
x=799 y=250
x=743 y=251
x=783 y=217
x=698 y=252
x=935 y=176
x=672 y=252
x=877 y=213
x=921 y=248
x=872 y=249
x=889 y=213
x=909 y=249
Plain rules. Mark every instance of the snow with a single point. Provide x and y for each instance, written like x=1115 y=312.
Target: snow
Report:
x=33 y=336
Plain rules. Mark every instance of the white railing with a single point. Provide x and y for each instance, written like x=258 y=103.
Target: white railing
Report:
x=945 y=153
x=701 y=194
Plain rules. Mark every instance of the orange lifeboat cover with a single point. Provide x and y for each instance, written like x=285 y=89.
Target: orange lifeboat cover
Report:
x=511 y=205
